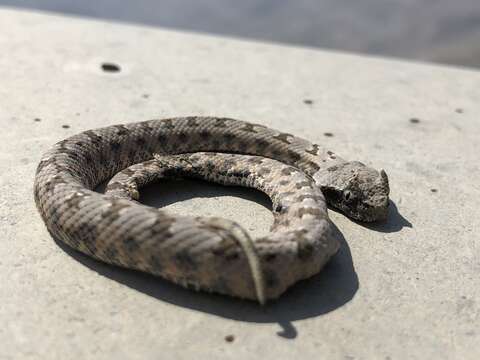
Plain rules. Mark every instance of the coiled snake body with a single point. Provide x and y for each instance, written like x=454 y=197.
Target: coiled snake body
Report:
x=211 y=254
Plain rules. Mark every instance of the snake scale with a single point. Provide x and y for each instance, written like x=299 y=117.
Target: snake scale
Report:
x=211 y=254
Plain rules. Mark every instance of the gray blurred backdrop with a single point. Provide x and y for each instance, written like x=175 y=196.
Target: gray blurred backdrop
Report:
x=445 y=31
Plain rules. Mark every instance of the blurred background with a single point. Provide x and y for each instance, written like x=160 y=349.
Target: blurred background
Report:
x=445 y=31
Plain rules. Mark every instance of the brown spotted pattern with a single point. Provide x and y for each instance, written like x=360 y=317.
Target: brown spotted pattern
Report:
x=203 y=253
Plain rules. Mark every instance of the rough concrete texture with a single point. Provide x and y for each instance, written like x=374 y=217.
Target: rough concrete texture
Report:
x=408 y=288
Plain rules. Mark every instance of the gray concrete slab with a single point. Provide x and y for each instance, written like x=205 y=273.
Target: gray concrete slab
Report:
x=405 y=289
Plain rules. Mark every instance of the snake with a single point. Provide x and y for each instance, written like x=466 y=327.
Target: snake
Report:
x=204 y=253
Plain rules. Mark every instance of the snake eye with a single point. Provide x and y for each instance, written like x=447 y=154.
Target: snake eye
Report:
x=347 y=195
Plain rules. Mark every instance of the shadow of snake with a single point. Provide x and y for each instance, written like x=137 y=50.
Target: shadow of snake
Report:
x=333 y=287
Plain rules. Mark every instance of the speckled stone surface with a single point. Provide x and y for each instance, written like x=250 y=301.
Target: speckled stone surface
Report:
x=408 y=288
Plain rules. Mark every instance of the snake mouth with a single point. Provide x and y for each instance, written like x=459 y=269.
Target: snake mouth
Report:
x=364 y=211
x=369 y=213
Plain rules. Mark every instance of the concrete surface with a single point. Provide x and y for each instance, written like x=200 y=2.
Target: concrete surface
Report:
x=408 y=288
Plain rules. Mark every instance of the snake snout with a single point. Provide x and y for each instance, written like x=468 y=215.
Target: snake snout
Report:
x=375 y=209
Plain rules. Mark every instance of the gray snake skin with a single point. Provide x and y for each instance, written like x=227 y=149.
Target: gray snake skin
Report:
x=211 y=254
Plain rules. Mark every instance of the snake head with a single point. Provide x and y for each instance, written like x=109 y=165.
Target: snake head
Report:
x=357 y=190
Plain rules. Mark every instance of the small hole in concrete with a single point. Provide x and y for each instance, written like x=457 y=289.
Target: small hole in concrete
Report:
x=37 y=119
x=229 y=338
x=145 y=96
x=459 y=111
x=414 y=120
x=66 y=126
x=328 y=134
x=110 y=67
x=308 y=101
x=433 y=190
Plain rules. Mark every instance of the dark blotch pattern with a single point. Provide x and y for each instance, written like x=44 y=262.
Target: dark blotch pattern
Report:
x=249 y=128
x=115 y=146
x=220 y=122
x=303 y=184
x=168 y=124
x=228 y=137
x=74 y=201
x=314 y=150
x=264 y=171
x=121 y=130
x=112 y=213
x=271 y=279
x=311 y=168
x=205 y=135
x=182 y=136
x=283 y=137
x=261 y=145
x=305 y=247
x=140 y=141
x=184 y=260
x=269 y=257
x=192 y=121
x=289 y=171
